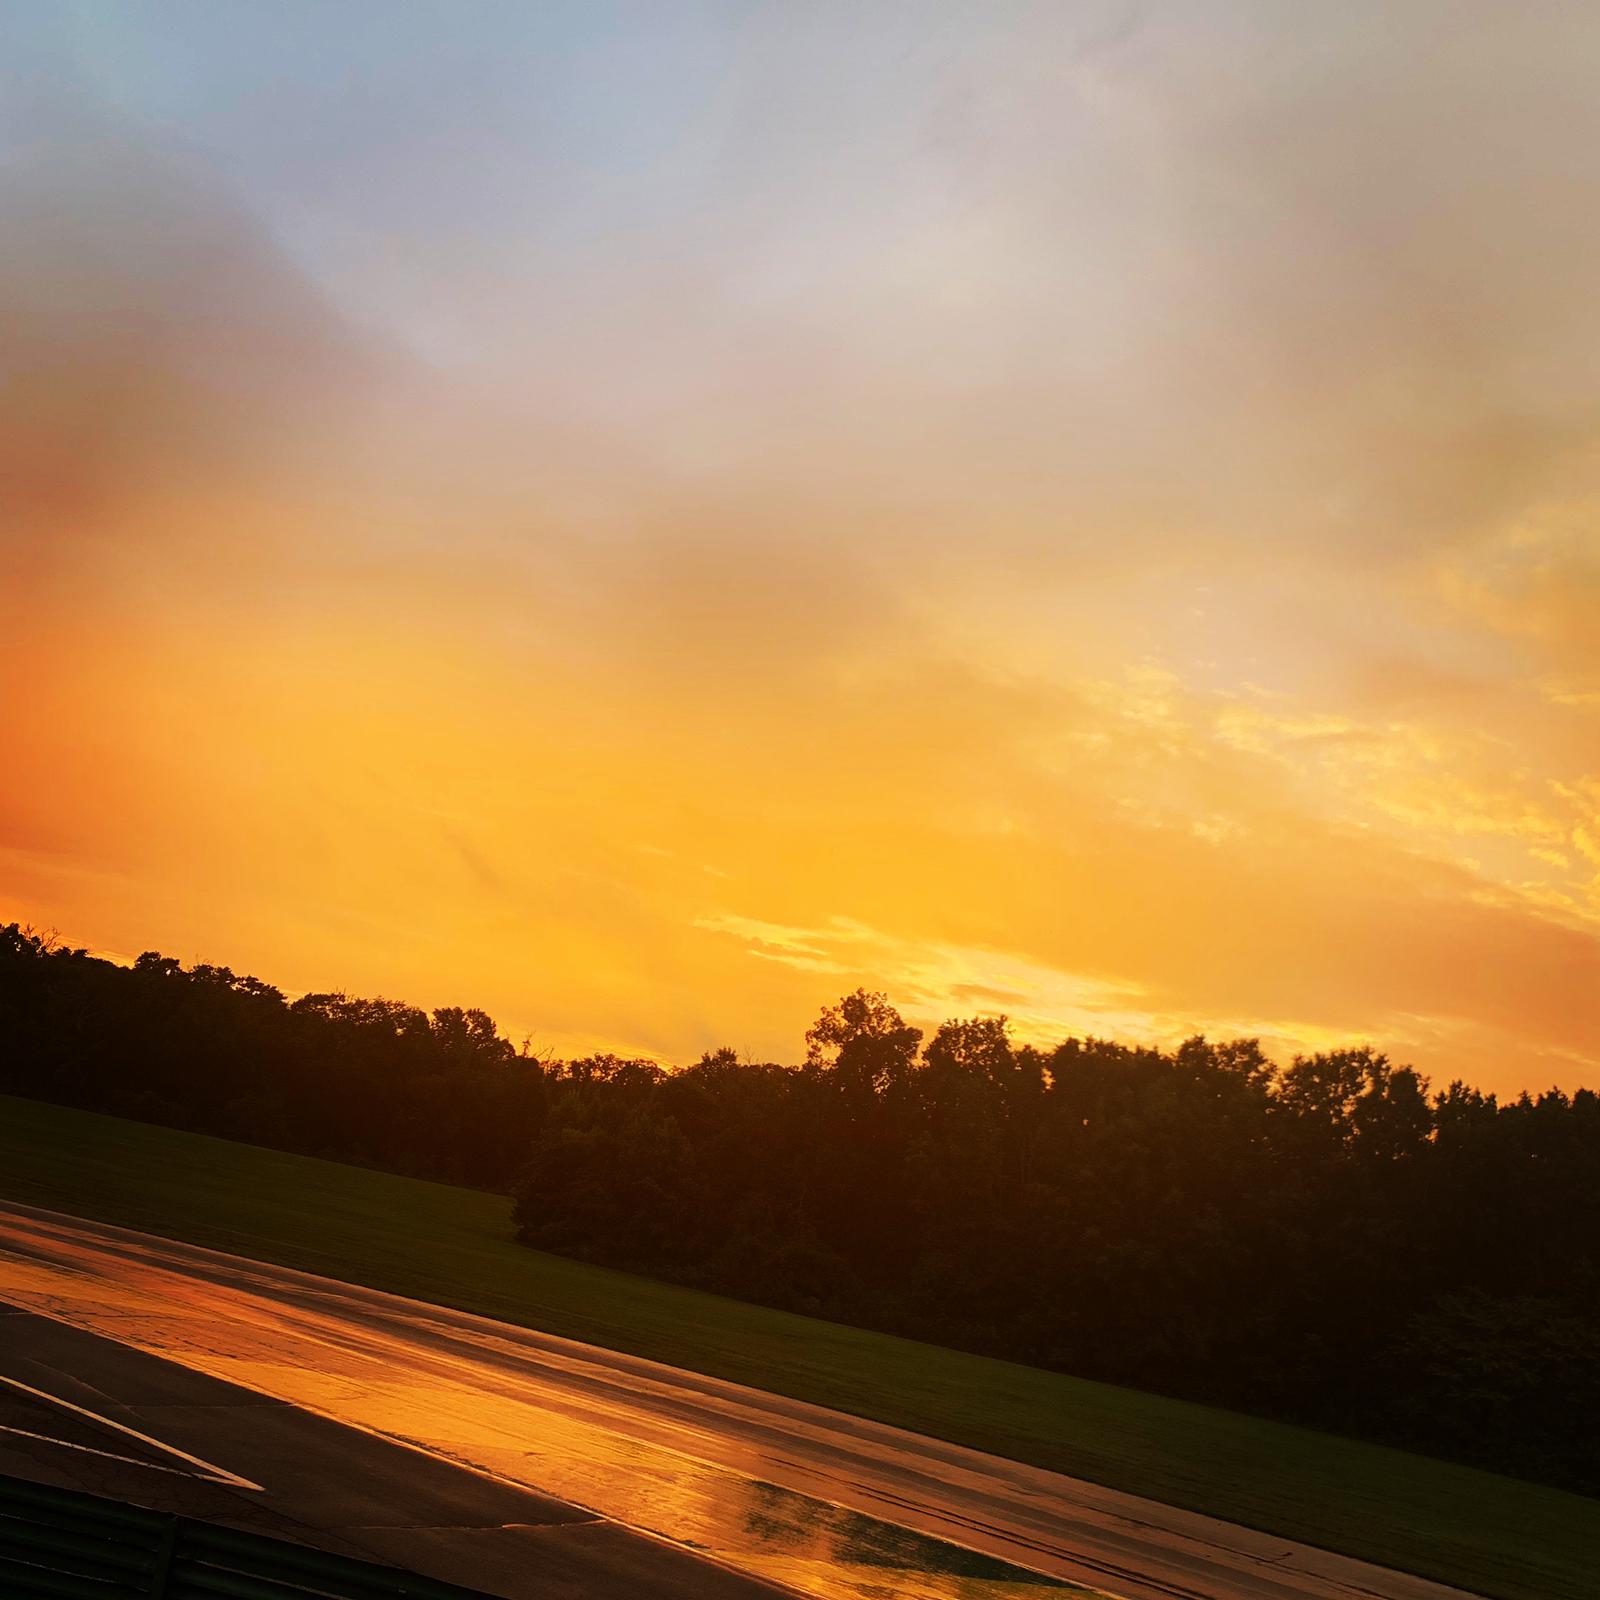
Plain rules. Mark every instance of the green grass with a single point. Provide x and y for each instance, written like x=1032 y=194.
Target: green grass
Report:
x=1493 y=1535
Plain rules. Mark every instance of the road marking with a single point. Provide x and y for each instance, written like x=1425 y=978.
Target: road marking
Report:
x=202 y=1469
x=298 y=1316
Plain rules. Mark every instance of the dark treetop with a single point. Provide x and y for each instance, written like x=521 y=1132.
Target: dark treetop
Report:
x=1328 y=1241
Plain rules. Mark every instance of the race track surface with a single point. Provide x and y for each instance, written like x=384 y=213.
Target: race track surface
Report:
x=532 y=1466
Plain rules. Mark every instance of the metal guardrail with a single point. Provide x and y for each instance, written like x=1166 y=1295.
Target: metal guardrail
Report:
x=59 y=1544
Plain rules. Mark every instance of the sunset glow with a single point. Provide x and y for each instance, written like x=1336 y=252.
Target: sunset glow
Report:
x=646 y=525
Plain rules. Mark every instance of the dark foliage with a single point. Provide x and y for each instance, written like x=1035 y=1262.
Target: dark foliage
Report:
x=1326 y=1241
x=369 y=1081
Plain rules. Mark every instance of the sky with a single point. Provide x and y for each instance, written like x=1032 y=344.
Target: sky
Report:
x=645 y=518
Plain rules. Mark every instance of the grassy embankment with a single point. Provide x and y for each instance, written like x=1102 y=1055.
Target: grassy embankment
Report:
x=1493 y=1535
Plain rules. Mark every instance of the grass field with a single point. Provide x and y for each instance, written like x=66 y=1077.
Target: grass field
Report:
x=1493 y=1535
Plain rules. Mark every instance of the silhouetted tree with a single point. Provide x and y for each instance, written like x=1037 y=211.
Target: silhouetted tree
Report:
x=865 y=1044
x=1328 y=1242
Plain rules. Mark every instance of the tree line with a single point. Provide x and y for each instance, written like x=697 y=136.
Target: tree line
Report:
x=1332 y=1241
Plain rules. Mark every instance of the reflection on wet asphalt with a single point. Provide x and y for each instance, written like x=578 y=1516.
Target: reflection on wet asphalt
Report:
x=827 y=1535
x=827 y=1504
x=478 y=1401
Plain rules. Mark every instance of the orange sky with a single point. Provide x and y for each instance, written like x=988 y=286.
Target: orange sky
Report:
x=646 y=527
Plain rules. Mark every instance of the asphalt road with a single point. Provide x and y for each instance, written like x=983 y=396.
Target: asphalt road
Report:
x=530 y=1466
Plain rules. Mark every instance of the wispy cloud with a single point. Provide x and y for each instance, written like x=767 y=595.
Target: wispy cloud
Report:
x=1080 y=513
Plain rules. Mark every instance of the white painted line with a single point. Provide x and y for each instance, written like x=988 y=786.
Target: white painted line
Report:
x=205 y=1469
x=108 y=1455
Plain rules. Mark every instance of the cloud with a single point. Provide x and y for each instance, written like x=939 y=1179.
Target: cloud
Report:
x=155 y=342
x=1089 y=517
x=932 y=981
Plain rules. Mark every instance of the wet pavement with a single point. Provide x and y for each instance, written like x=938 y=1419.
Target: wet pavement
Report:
x=611 y=1452
x=84 y=1412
